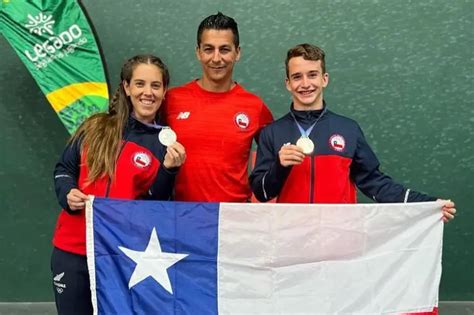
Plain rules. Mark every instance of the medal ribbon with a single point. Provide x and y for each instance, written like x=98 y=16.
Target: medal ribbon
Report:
x=154 y=125
x=305 y=133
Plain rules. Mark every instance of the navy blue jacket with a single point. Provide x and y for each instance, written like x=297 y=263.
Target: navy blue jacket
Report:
x=342 y=160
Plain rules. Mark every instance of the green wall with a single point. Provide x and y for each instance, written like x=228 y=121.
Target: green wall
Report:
x=403 y=69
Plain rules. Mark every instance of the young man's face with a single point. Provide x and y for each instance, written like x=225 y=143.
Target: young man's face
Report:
x=217 y=54
x=306 y=82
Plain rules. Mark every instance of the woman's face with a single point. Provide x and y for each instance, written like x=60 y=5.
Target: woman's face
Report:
x=146 y=91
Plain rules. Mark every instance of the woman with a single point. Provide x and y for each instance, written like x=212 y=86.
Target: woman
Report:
x=117 y=155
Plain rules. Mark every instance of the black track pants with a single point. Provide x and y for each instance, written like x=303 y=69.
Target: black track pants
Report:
x=71 y=283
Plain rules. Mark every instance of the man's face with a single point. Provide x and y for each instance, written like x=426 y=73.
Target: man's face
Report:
x=217 y=54
x=306 y=82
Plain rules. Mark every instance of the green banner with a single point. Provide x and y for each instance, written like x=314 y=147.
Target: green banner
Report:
x=55 y=42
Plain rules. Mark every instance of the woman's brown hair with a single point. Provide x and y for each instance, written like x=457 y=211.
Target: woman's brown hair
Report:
x=101 y=134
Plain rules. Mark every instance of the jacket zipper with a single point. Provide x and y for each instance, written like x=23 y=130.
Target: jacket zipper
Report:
x=311 y=179
x=109 y=182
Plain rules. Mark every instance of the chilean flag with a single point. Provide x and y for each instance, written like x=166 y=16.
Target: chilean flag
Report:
x=149 y=257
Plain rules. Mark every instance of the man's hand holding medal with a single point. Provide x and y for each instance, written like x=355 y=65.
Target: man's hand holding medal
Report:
x=291 y=154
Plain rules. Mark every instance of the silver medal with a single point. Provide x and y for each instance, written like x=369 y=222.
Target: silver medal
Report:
x=306 y=145
x=167 y=136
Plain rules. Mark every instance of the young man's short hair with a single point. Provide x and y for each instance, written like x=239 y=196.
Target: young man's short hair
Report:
x=308 y=52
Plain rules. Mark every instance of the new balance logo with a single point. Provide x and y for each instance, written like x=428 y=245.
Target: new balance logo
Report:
x=183 y=115
x=58 y=277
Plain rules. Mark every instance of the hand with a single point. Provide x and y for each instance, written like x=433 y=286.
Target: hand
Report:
x=448 y=209
x=175 y=155
x=290 y=154
x=76 y=199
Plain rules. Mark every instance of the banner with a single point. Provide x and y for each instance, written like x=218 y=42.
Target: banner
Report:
x=149 y=257
x=55 y=42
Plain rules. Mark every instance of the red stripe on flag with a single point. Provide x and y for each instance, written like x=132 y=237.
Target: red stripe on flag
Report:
x=433 y=312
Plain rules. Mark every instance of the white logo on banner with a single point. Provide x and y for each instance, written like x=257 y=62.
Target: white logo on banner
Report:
x=40 y=24
x=56 y=46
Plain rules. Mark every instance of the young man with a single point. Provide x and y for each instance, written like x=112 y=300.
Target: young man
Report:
x=312 y=155
x=215 y=119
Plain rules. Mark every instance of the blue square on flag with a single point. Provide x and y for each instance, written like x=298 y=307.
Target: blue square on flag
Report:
x=151 y=256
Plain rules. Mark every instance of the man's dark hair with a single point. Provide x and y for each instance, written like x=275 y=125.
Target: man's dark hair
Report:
x=308 y=52
x=218 y=21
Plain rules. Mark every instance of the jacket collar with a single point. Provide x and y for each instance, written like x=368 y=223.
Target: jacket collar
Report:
x=307 y=117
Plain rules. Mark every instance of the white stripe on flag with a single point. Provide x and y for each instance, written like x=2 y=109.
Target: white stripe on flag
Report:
x=326 y=259
x=90 y=247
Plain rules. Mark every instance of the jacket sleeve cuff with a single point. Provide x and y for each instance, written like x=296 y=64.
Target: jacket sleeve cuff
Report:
x=275 y=179
x=414 y=196
x=63 y=200
x=171 y=170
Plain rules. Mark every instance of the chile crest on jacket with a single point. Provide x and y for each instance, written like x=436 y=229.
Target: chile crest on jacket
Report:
x=337 y=142
x=141 y=159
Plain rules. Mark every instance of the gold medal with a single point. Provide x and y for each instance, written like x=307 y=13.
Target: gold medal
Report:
x=167 y=136
x=306 y=145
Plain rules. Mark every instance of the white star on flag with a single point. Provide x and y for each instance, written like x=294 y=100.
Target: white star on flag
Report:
x=152 y=263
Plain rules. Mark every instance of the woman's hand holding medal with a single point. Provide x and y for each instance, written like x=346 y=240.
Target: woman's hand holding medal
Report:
x=175 y=155
x=175 y=152
x=290 y=154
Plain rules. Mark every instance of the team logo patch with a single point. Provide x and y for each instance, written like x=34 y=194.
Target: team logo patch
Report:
x=242 y=120
x=337 y=142
x=141 y=159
